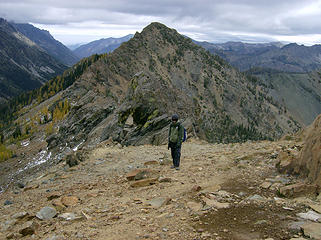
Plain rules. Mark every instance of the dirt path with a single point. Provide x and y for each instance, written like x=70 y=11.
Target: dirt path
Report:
x=215 y=195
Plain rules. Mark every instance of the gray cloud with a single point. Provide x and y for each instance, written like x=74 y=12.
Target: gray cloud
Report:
x=212 y=20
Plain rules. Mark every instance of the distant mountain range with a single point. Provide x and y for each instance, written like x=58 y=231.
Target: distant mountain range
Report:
x=104 y=45
x=292 y=57
x=43 y=39
x=24 y=64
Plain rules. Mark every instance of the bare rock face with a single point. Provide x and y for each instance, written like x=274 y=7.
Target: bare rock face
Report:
x=308 y=163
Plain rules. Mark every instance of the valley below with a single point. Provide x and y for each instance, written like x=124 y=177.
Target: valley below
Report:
x=222 y=191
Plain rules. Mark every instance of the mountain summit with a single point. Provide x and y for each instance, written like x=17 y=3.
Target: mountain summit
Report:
x=128 y=96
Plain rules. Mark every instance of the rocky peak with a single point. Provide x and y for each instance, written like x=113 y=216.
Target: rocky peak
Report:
x=159 y=72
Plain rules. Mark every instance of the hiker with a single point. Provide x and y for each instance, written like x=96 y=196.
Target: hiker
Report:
x=175 y=139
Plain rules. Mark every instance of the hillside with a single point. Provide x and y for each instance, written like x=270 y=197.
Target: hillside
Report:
x=299 y=93
x=43 y=39
x=104 y=45
x=24 y=65
x=291 y=73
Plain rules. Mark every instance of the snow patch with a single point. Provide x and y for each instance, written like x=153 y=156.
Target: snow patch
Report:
x=76 y=148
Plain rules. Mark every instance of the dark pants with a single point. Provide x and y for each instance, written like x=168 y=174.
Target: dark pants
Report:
x=176 y=154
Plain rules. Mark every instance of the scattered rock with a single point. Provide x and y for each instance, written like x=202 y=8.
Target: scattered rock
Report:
x=46 y=213
x=164 y=179
x=14 y=236
x=53 y=195
x=20 y=215
x=68 y=216
x=58 y=205
x=138 y=174
x=312 y=230
x=284 y=160
x=158 y=202
x=55 y=237
x=298 y=189
x=8 y=225
x=144 y=182
x=256 y=197
x=28 y=228
x=315 y=207
x=215 y=204
x=8 y=202
x=196 y=188
x=266 y=185
x=72 y=160
x=310 y=215
x=20 y=185
x=70 y=201
x=194 y=206
x=153 y=162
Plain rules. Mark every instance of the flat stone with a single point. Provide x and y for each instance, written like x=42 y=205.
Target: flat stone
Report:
x=137 y=174
x=215 y=204
x=68 y=216
x=315 y=207
x=158 y=202
x=310 y=215
x=20 y=215
x=53 y=195
x=298 y=189
x=266 y=185
x=46 y=213
x=144 y=182
x=256 y=197
x=152 y=162
x=194 y=206
x=312 y=230
x=28 y=228
x=165 y=179
x=70 y=201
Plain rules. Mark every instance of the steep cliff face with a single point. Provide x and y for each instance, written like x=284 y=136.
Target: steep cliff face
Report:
x=130 y=94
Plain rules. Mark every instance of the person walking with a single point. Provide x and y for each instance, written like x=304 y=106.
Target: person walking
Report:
x=175 y=139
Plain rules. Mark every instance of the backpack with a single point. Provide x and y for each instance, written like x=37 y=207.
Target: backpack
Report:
x=185 y=135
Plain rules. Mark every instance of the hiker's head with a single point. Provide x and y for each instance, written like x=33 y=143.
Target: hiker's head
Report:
x=174 y=118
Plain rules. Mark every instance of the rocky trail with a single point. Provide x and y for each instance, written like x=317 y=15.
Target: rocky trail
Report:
x=222 y=191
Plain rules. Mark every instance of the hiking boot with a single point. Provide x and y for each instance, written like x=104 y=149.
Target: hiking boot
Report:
x=177 y=168
x=172 y=166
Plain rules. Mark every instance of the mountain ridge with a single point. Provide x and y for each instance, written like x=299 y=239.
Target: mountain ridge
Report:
x=25 y=65
x=100 y=46
x=45 y=40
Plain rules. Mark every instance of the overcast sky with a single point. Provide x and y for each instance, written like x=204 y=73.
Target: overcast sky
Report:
x=80 y=21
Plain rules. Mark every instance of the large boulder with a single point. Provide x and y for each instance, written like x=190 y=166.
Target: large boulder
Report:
x=307 y=163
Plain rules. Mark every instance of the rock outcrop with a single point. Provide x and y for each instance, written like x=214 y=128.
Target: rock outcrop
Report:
x=306 y=162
